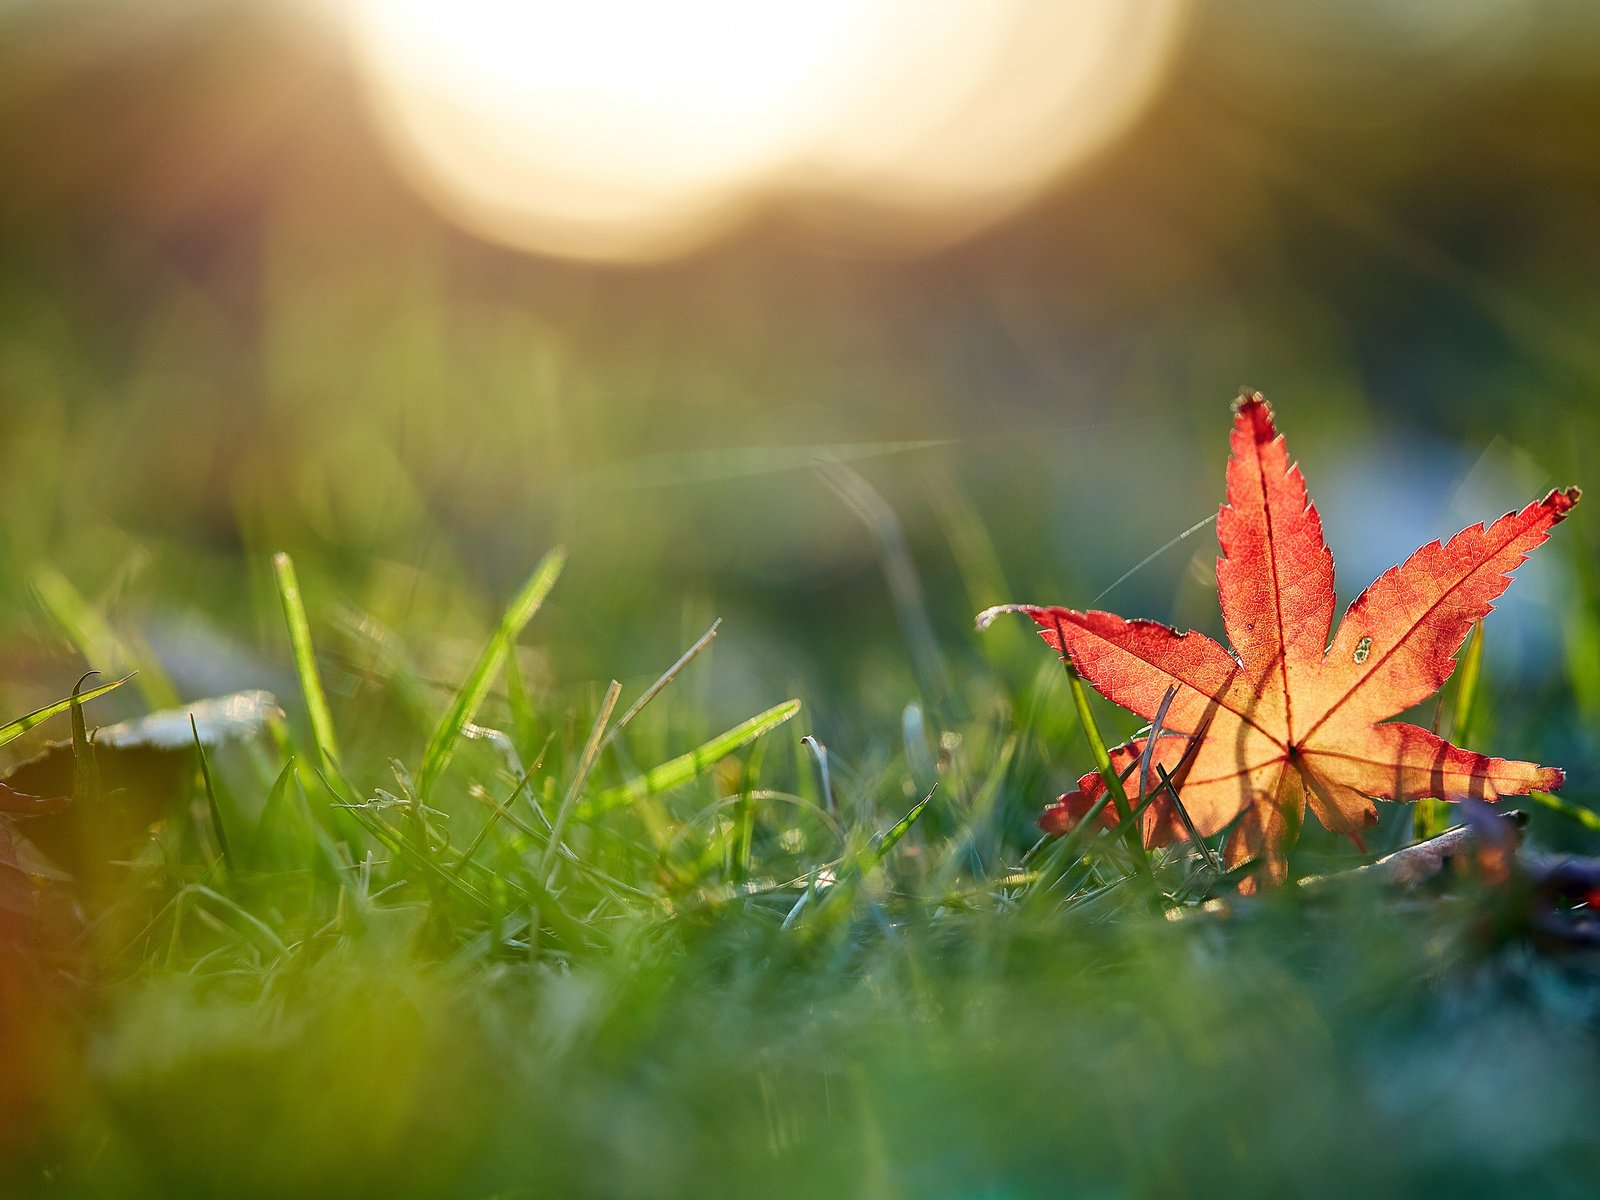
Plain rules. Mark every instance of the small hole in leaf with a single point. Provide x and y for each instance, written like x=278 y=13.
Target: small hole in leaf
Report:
x=1363 y=648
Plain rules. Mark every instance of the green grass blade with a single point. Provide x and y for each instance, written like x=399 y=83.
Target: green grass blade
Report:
x=1586 y=817
x=524 y=720
x=305 y=661
x=591 y=751
x=15 y=729
x=228 y=864
x=900 y=573
x=860 y=865
x=884 y=844
x=1468 y=675
x=252 y=925
x=442 y=745
x=666 y=677
x=1102 y=762
x=271 y=813
x=1097 y=745
x=685 y=767
x=1195 y=838
x=85 y=769
x=95 y=639
x=1431 y=817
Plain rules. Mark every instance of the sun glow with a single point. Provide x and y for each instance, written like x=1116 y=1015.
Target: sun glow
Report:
x=631 y=129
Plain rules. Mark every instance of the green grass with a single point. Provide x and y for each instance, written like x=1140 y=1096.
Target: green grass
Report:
x=540 y=889
x=510 y=946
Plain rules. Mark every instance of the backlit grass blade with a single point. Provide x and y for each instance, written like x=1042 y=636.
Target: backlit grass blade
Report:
x=85 y=769
x=1431 y=817
x=1468 y=675
x=819 y=755
x=524 y=721
x=1068 y=852
x=685 y=767
x=1102 y=760
x=271 y=813
x=15 y=729
x=305 y=661
x=442 y=745
x=882 y=845
x=1188 y=822
x=1586 y=817
x=96 y=640
x=860 y=866
x=1097 y=746
x=211 y=800
x=666 y=677
x=900 y=573
x=591 y=751
x=1153 y=737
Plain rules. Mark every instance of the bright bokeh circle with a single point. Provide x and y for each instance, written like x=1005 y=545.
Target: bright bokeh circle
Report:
x=637 y=129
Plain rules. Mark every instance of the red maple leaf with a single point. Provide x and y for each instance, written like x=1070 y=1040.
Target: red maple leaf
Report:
x=1287 y=719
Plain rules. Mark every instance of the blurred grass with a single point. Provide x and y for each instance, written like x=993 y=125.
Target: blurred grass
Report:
x=735 y=983
x=539 y=968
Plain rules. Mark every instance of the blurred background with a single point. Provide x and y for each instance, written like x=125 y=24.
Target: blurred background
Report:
x=415 y=290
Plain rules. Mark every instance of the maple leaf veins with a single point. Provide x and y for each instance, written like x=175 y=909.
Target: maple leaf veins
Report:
x=1287 y=720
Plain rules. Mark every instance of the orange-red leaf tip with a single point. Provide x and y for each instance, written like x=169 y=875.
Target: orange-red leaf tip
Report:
x=1057 y=817
x=1253 y=420
x=1551 y=779
x=1562 y=500
x=1251 y=411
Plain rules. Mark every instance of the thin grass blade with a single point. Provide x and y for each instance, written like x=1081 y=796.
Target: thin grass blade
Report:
x=1431 y=817
x=591 y=751
x=1469 y=674
x=15 y=729
x=667 y=676
x=272 y=812
x=891 y=837
x=1102 y=760
x=442 y=745
x=862 y=864
x=305 y=661
x=524 y=720
x=900 y=573
x=95 y=639
x=1156 y=729
x=679 y=771
x=85 y=768
x=1585 y=817
x=211 y=801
